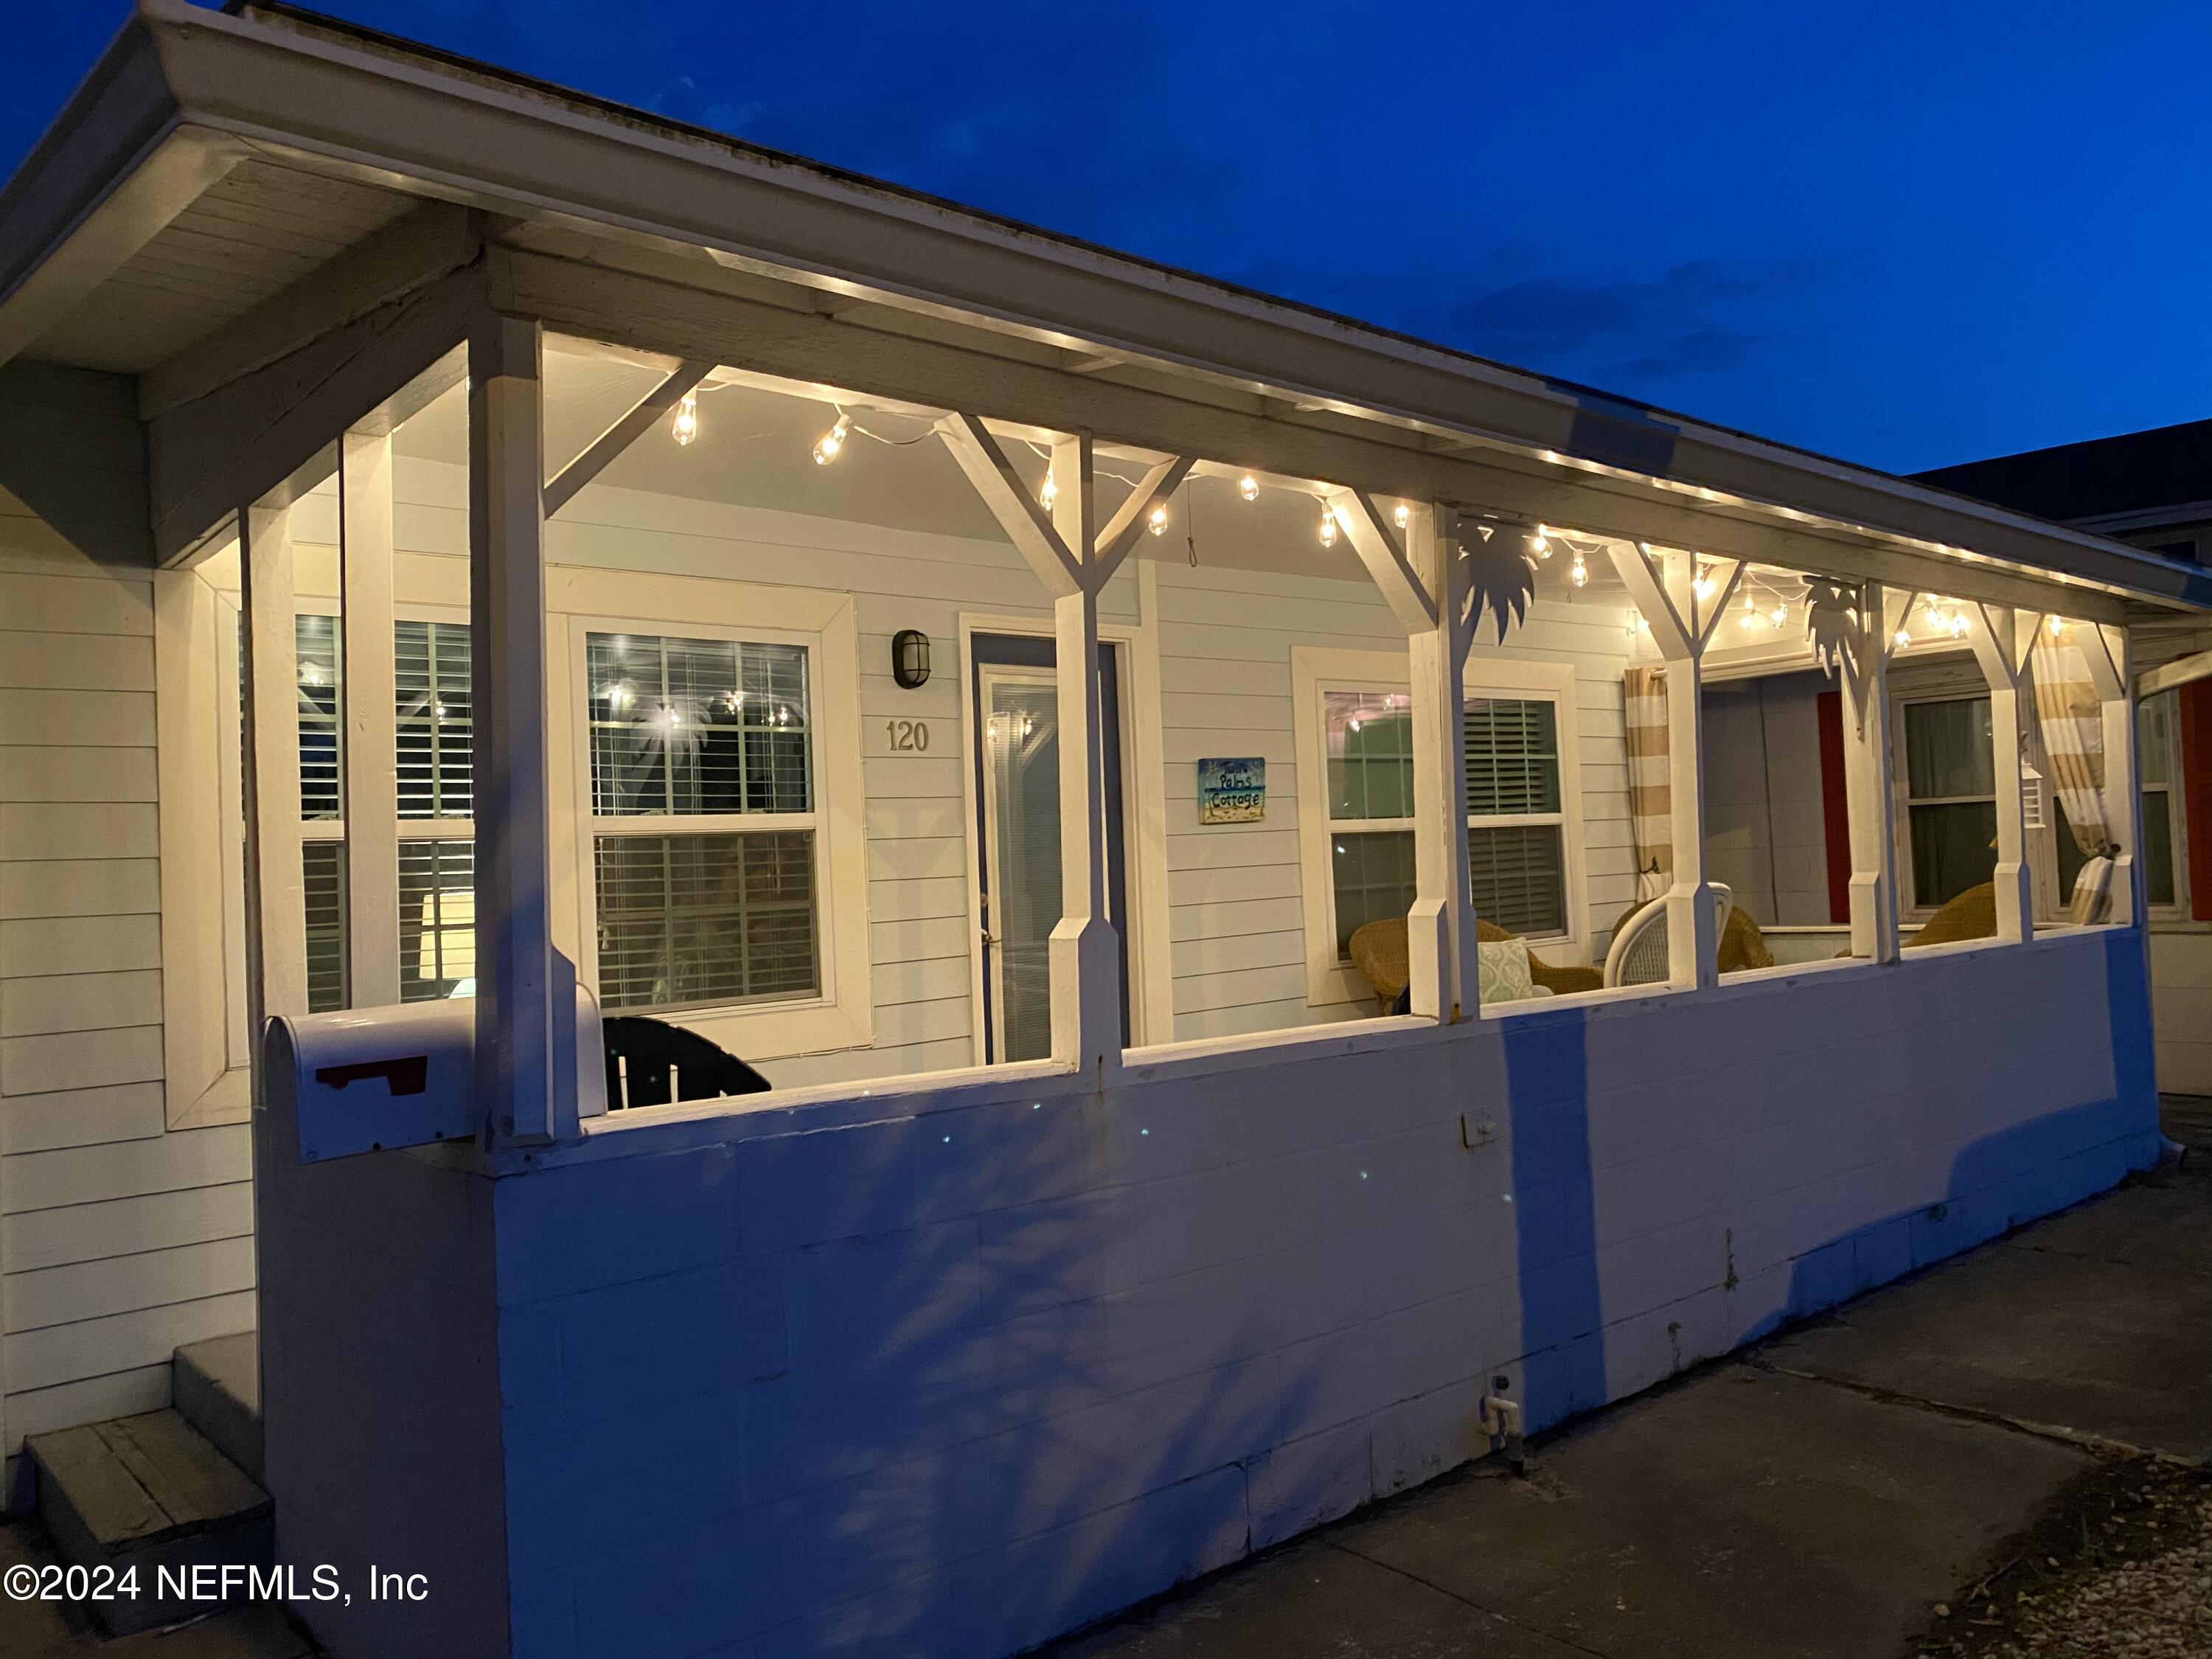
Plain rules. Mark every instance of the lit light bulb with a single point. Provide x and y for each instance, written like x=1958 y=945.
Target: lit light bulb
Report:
x=826 y=447
x=1403 y=516
x=1781 y=615
x=1580 y=574
x=1249 y=488
x=1958 y=626
x=1644 y=624
x=1158 y=523
x=2058 y=626
x=1750 y=617
x=1327 y=525
x=685 y=427
x=1904 y=638
x=1702 y=586
x=1050 y=493
x=1541 y=543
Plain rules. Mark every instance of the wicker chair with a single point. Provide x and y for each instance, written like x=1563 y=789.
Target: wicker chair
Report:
x=1379 y=950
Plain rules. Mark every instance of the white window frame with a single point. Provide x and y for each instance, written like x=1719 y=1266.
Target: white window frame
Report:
x=1316 y=670
x=2176 y=813
x=581 y=602
x=207 y=1049
x=1952 y=677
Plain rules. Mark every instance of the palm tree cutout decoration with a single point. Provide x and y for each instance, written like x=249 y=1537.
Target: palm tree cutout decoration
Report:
x=1501 y=578
x=1831 y=624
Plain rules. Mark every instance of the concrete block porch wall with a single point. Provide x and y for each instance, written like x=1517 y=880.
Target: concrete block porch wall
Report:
x=951 y=1372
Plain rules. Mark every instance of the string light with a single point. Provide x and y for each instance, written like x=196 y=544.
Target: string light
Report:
x=1904 y=638
x=1050 y=493
x=2056 y=624
x=1579 y=575
x=684 y=428
x=1781 y=612
x=1541 y=543
x=1327 y=525
x=1403 y=516
x=1702 y=585
x=1751 y=618
x=1158 y=523
x=1249 y=488
x=826 y=447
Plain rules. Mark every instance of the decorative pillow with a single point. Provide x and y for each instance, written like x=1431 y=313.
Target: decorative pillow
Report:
x=1505 y=971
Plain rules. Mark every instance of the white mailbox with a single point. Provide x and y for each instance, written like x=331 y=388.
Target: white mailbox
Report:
x=367 y=1080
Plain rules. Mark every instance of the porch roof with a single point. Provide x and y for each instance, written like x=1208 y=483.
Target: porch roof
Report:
x=214 y=164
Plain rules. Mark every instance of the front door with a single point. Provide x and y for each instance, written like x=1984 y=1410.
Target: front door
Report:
x=1016 y=698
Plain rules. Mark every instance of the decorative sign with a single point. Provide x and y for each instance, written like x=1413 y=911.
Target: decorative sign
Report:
x=1232 y=790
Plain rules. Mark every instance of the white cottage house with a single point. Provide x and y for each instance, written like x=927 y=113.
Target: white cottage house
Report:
x=1161 y=785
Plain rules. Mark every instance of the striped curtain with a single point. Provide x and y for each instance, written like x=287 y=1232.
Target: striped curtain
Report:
x=1650 y=808
x=2072 y=722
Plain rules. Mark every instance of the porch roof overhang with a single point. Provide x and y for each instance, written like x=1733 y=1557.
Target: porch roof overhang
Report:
x=678 y=241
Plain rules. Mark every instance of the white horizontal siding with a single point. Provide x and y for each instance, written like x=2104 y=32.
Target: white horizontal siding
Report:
x=118 y=1240
x=1235 y=921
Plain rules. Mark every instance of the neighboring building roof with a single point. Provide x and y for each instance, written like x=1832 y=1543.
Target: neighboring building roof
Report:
x=2130 y=476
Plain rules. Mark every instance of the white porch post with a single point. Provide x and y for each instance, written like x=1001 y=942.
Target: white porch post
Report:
x=1424 y=579
x=1664 y=586
x=372 y=779
x=2106 y=649
x=275 y=896
x=526 y=990
x=1074 y=557
x=1869 y=789
x=1085 y=951
x=2002 y=638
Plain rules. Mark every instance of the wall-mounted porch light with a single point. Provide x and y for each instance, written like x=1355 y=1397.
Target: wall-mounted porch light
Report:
x=911 y=658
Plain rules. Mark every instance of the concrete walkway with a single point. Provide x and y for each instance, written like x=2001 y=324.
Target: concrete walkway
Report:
x=1815 y=1496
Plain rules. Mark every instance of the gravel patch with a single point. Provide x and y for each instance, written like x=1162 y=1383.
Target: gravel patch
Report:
x=2119 y=1566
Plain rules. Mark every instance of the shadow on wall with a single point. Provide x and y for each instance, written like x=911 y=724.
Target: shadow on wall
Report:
x=1555 y=1216
x=1998 y=1180
x=2013 y=1177
x=958 y=1427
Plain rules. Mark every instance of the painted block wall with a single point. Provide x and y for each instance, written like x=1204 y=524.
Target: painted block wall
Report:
x=118 y=1240
x=950 y=1372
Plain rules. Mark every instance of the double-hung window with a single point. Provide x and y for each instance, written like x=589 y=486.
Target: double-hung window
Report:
x=437 y=912
x=1522 y=822
x=437 y=844
x=2158 y=768
x=1950 y=797
x=706 y=825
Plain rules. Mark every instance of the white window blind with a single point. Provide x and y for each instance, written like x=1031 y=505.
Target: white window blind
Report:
x=705 y=819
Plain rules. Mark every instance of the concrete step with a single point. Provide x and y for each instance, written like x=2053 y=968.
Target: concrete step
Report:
x=147 y=1492
x=216 y=1386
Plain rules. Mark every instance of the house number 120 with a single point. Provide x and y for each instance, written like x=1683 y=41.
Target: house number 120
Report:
x=908 y=735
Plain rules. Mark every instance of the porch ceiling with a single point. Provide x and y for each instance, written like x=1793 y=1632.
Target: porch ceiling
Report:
x=215 y=161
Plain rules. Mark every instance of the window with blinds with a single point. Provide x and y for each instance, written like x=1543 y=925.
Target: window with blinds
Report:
x=1517 y=826
x=1516 y=832
x=323 y=871
x=437 y=898
x=705 y=821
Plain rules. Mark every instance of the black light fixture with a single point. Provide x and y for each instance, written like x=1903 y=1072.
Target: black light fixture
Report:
x=910 y=657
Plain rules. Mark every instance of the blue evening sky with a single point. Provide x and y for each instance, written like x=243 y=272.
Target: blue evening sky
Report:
x=1903 y=234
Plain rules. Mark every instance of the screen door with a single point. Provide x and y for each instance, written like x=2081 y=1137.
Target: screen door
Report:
x=1016 y=698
